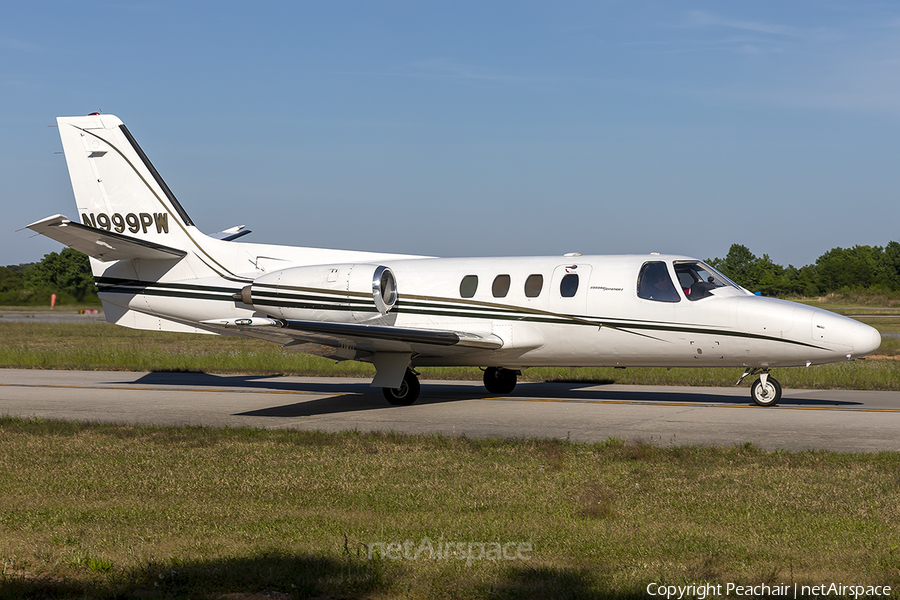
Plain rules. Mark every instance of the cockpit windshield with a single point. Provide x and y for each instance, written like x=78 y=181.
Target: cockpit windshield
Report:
x=698 y=280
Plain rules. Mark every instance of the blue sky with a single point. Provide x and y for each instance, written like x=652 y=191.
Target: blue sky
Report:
x=475 y=128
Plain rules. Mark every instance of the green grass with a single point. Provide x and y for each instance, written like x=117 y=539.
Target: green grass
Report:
x=866 y=301
x=855 y=375
x=101 y=511
x=101 y=346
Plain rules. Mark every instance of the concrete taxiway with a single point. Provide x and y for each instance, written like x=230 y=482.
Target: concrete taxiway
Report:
x=845 y=421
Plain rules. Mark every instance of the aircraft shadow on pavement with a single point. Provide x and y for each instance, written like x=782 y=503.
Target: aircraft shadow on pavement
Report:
x=253 y=382
x=370 y=399
x=344 y=396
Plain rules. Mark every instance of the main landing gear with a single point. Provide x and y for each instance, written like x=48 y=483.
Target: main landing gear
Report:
x=406 y=394
x=497 y=380
x=765 y=391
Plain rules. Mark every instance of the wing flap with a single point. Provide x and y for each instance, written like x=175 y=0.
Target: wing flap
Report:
x=105 y=246
x=355 y=331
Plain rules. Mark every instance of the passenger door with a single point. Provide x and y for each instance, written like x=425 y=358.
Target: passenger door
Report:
x=569 y=286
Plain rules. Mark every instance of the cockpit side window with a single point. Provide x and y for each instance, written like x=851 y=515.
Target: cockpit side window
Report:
x=654 y=283
x=699 y=280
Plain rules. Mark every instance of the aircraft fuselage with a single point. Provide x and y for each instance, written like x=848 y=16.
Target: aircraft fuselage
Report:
x=601 y=321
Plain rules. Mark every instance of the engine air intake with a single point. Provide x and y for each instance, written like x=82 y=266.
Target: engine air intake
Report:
x=384 y=289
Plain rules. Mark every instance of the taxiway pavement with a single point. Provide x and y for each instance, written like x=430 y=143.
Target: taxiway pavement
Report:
x=844 y=421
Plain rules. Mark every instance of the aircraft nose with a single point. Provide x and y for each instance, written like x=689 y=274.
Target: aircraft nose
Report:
x=866 y=340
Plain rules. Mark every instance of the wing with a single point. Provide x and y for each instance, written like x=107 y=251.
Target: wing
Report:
x=371 y=338
x=103 y=245
x=388 y=348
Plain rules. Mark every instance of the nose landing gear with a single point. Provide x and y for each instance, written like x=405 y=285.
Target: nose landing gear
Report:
x=765 y=391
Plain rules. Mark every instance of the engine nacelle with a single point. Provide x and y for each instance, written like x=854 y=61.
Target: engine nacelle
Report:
x=341 y=293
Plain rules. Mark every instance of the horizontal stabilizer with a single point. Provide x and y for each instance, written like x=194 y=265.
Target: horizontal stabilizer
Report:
x=105 y=246
x=231 y=234
x=339 y=331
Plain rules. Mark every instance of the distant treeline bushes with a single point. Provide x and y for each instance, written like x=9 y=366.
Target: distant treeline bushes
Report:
x=868 y=269
x=66 y=274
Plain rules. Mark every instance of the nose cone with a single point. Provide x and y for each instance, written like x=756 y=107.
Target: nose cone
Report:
x=866 y=340
x=843 y=336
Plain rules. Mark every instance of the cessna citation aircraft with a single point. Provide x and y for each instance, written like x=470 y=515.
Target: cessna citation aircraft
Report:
x=156 y=270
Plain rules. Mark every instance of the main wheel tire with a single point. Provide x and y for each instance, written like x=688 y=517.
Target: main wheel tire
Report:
x=499 y=381
x=766 y=395
x=406 y=394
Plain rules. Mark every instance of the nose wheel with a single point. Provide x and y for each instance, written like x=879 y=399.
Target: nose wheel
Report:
x=765 y=391
x=766 y=394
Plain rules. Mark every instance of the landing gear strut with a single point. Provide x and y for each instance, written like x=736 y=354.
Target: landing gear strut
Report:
x=765 y=391
x=406 y=394
x=498 y=380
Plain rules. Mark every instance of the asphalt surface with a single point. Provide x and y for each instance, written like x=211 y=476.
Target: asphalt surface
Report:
x=845 y=421
x=58 y=315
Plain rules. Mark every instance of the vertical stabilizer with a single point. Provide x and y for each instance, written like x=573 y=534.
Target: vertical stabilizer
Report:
x=118 y=190
x=116 y=186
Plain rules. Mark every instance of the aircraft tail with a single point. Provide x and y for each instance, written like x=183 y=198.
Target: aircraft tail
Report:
x=116 y=187
x=131 y=223
x=141 y=241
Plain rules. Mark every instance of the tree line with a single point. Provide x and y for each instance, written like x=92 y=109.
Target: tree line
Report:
x=873 y=269
x=66 y=274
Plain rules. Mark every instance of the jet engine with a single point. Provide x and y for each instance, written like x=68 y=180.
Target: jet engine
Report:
x=340 y=293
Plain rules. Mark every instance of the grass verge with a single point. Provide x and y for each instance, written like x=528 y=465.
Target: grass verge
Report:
x=100 y=511
x=101 y=346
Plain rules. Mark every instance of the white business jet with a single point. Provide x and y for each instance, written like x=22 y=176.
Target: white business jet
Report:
x=155 y=270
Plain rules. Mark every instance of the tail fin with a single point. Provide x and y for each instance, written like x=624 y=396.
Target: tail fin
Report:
x=126 y=209
x=116 y=187
x=137 y=234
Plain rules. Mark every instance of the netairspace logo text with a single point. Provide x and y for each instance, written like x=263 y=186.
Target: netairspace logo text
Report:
x=711 y=590
x=441 y=550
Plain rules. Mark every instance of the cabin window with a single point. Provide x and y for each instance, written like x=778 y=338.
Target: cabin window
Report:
x=533 y=286
x=468 y=286
x=654 y=283
x=568 y=287
x=501 y=286
x=698 y=280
